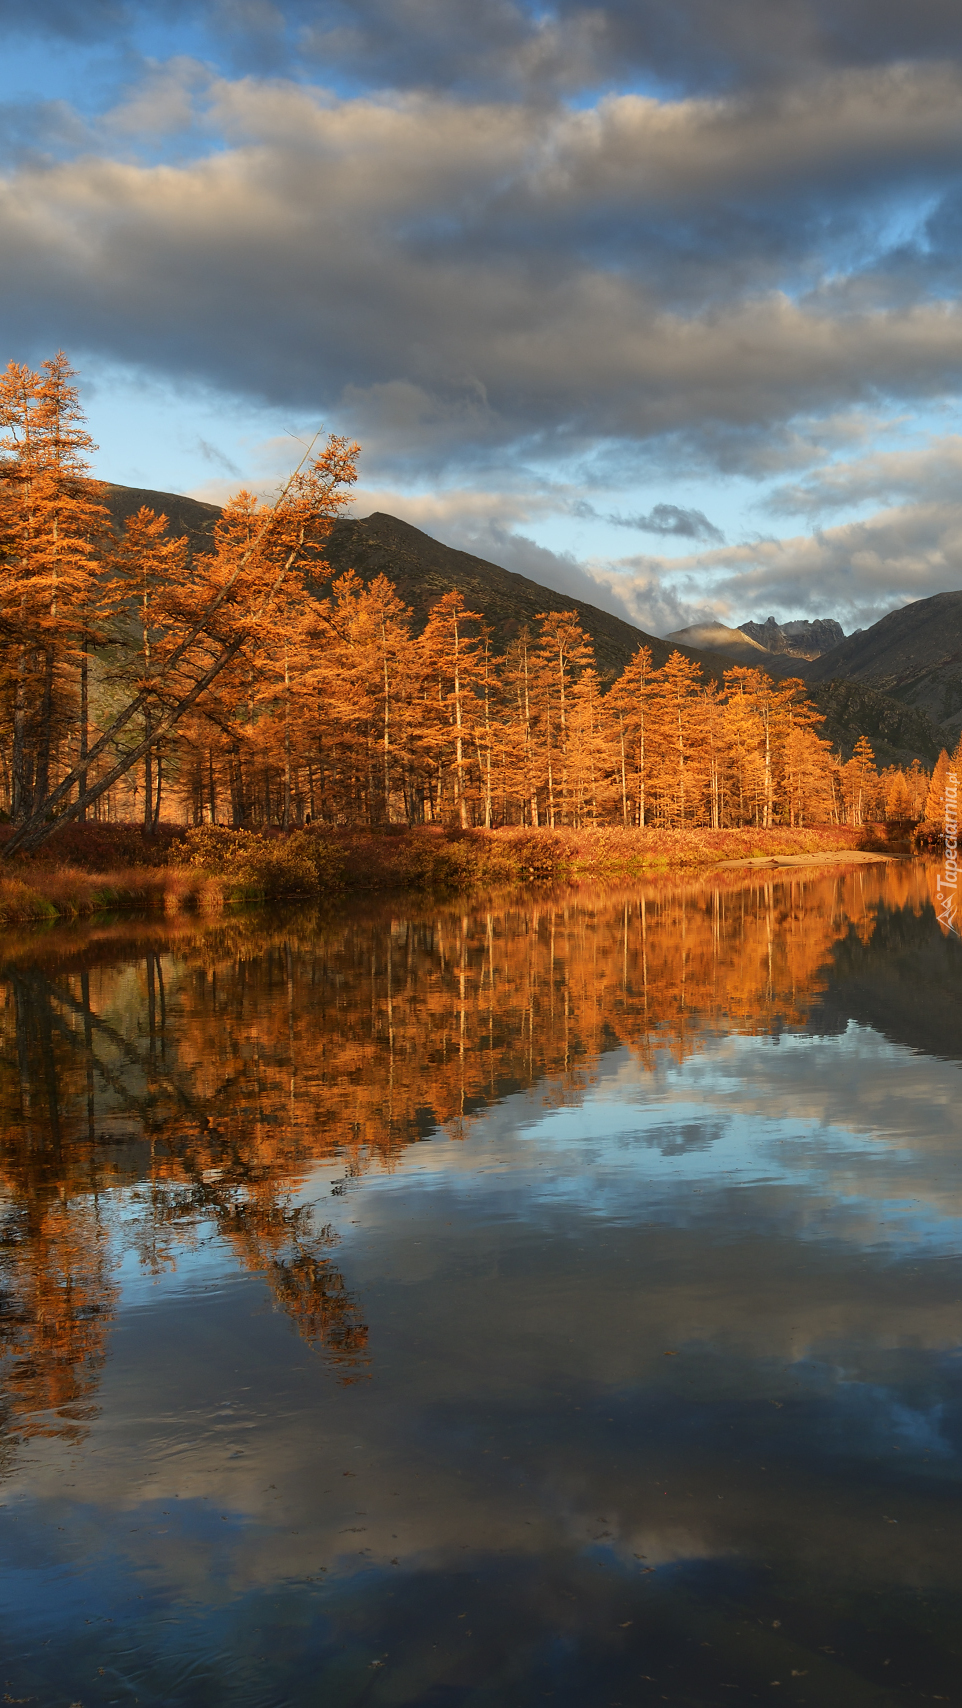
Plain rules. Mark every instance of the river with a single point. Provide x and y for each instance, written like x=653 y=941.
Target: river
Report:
x=544 y=1298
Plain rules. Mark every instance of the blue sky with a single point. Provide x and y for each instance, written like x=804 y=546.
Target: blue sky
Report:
x=655 y=302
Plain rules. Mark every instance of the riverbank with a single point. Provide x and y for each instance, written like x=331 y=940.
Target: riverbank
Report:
x=93 y=869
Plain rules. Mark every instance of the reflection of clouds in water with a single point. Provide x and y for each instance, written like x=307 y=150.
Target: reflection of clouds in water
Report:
x=865 y=1130
x=523 y=1276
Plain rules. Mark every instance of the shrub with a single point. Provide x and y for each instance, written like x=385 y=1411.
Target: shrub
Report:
x=104 y=847
x=262 y=865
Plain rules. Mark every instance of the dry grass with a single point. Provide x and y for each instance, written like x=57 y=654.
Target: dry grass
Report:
x=214 y=866
x=47 y=893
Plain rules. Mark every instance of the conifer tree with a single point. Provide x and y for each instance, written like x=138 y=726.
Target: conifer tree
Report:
x=935 y=799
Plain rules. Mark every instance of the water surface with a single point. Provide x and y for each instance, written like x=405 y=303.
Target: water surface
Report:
x=553 y=1299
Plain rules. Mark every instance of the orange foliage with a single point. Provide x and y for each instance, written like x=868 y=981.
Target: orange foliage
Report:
x=128 y=668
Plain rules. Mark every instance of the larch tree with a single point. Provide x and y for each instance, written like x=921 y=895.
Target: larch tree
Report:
x=629 y=702
x=935 y=798
x=147 y=570
x=229 y=603
x=679 y=738
x=859 y=780
x=52 y=520
x=451 y=648
x=563 y=652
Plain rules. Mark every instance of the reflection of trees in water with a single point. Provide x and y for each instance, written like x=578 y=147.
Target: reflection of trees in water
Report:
x=206 y=1080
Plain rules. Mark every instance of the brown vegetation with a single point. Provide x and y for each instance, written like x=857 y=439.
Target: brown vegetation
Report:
x=106 y=868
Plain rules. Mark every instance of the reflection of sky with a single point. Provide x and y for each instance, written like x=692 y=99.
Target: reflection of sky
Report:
x=860 y=1127
x=696 y=1318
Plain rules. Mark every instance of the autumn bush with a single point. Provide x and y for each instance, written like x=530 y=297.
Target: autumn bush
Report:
x=256 y=865
x=105 y=847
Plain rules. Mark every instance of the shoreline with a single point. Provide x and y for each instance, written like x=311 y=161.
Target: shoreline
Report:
x=211 y=868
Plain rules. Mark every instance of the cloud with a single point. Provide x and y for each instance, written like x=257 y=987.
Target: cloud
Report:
x=211 y=454
x=857 y=571
x=161 y=102
x=932 y=472
x=456 y=280
x=741 y=265
x=507 y=46
x=670 y=519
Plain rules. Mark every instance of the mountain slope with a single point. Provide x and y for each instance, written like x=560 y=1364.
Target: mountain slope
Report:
x=190 y=516
x=914 y=655
x=898 y=733
x=422 y=569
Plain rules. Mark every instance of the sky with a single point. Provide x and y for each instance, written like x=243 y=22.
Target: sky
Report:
x=655 y=301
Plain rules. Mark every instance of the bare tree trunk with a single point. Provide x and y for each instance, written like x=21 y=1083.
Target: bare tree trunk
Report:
x=84 y=723
x=148 y=784
x=41 y=776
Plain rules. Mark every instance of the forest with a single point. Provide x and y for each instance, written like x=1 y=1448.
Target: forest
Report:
x=239 y=686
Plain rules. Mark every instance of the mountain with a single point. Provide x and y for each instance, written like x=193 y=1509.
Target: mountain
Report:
x=799 y=638
x=190 y=516
x=914 y=655
x=898 y=733
x=734 y=643
x=421 y=569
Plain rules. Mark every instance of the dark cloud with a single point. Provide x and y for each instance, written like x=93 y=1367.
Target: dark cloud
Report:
x=92 y=21
x=475 y=275
x=431 y=270
x=671 y=519
x=499 y=46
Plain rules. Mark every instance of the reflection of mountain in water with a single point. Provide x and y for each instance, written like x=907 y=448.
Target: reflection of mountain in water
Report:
x=206 y=1069
x=905 y=981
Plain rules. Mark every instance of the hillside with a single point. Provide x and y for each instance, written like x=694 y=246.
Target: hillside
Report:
x=914 y=655
x=898 y=733
x=190 y=516
x=423 y=569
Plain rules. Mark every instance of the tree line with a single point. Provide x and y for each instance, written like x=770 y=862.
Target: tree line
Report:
x=138 y=677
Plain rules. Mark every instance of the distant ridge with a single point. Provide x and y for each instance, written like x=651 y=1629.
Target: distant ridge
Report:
x=734 y=643
x=800 y=638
